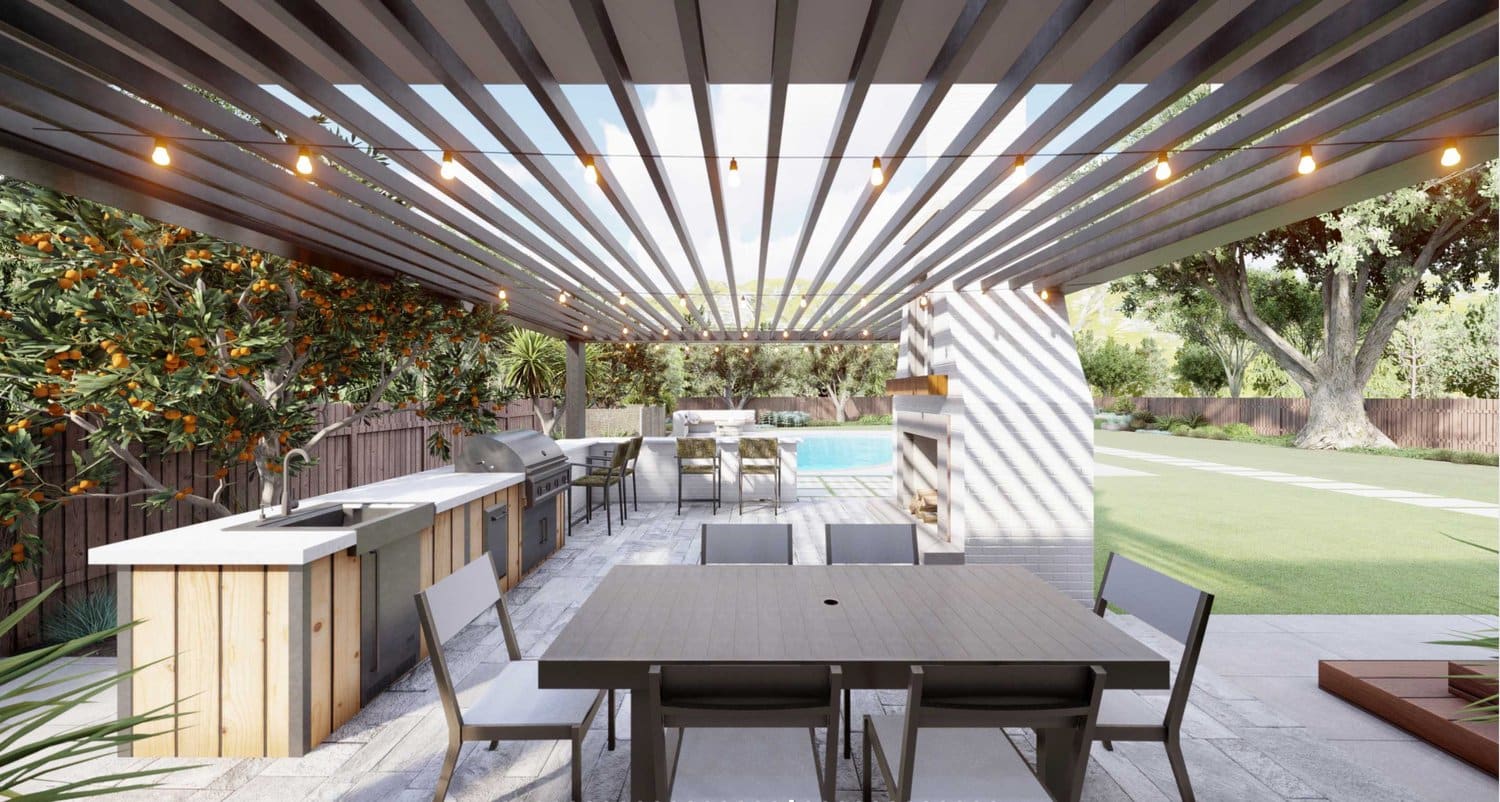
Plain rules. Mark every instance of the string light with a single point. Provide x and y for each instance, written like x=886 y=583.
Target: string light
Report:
x=623 y=299
x=624 y=331
x=159 y=153
x=682 y=299
x=1045 y=293
x=922 y=301
x=1019 y=170
x=877 y=176
x=590 y=172
x=304 y=161
x=585 y=328
x=1451 y=156
x=744 y=335
x=802 y=302
x=1163 y=169
x=502 y=294
x=1306 y=164
x=865 y=333
x=826 y=333
x=449 y=168
x=562 y=297
x=734 y=173
x=705 y=334
x=717 y=349
x=785 y=334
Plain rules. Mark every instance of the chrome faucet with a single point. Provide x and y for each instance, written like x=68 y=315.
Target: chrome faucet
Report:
x=286 y=478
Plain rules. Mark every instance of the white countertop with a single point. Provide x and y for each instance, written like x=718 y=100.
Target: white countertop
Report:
x=209 y=544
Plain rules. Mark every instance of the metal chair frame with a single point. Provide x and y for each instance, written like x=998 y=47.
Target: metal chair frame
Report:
x=1040 y=697
x=760 y=461
x=715 y=461
x=632 y=455
x=440 y=625
x=611 y=474
x=742 y=696
x=1177 y=610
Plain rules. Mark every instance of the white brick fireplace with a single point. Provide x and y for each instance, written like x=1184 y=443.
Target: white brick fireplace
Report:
x=1010 y=447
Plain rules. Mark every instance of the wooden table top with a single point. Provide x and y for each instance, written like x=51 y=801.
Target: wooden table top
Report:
x=885 y=619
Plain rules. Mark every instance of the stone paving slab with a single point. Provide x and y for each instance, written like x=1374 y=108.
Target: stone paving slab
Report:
x=1257 y=727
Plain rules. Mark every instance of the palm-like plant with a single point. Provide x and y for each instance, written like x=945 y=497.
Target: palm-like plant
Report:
x=1486 y=709
x=533 y=364
x=36 y=692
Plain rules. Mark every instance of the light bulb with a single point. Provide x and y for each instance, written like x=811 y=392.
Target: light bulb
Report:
x=1020 y=169
x=590 y=172
x=1306 y=164
x=159 y=153
x=877 y=176
x=705 y=334
x=734 y=173
x=838 y=347
x=744 y=335
x=922 y=301
x=449 y=168
x=865 y=333
x=785 y=334
x=502 y=294
x=1451 y=156
x=1163 y=169
x=562 y=297
x=803 y=303
x=624 y=331
x=826 y=332
x=1045 y=294
x=585 y=328
x=623 y=299
x=304 y=161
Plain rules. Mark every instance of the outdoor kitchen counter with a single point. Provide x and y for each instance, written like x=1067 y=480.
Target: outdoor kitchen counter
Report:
x=267 y=641
x=656 y=470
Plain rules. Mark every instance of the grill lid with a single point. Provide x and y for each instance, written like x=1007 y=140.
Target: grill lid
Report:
x=519 y=451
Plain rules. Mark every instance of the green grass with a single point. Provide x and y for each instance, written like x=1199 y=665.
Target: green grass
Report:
x=1264 y=547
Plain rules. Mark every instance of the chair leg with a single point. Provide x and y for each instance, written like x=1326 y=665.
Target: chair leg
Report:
x=450 y=761
x=848 y=724
x=1109 y=746
x=577 y=765
x=1179 y=768
x=588 y=505
x=679 y=491
x=865 y=781
x=622 y=502
x=608 y=532
x=635 y=493
x=610 y=721
x=494 y=745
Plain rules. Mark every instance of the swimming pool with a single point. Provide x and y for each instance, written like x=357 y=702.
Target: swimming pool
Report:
x=843 y=452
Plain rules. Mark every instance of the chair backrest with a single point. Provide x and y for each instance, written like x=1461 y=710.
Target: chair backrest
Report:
x=870 y=544
x=943 y=558
x=449 y=606
x=1022 y=696
x=635 y=448
x=760 y=448
x=745 y=544
x=695 y=448
x=738 y=695
x=1170 y=606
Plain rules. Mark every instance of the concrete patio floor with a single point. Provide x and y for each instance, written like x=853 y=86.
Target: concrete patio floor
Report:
x=1257 y=728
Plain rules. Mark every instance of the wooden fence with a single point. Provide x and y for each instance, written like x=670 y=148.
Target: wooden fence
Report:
x=388 y=446
x=819 y=408
x=1468 y=424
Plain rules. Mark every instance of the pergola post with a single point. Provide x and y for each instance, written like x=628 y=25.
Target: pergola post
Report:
x=575 y=391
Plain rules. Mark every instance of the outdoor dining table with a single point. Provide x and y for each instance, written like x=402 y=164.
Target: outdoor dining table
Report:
x=876 y=621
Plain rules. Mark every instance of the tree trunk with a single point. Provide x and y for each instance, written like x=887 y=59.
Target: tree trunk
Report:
x=1336 y=418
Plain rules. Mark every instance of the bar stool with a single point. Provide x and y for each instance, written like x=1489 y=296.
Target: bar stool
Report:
x=698 y=456
x=761 y=456
x=632 y=454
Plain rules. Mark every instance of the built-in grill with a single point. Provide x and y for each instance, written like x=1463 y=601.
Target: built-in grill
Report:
x=542 y=461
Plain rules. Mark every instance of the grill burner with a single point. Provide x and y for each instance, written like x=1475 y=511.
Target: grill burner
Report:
x=522 y=451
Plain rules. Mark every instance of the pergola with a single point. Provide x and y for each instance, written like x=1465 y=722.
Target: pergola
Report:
x=950 y=97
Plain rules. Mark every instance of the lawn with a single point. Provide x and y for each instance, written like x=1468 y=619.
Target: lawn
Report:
x=1264 y=547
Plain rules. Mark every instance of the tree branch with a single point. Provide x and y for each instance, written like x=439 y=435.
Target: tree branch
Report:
x=1231 y=287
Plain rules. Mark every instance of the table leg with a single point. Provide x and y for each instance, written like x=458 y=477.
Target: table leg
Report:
x=642 y=750
x=1055 y=766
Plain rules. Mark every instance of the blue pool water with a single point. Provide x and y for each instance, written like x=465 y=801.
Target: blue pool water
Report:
x=842 y=452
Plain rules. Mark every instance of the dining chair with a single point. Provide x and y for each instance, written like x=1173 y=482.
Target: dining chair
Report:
x=867 y=544
x=698 y=456
x=1177 y=610
x=763 y=544
x=761 y=456
x=943 y=558
x=745 y=732
x=610 y=474
x=511 y=706
x=950 y=744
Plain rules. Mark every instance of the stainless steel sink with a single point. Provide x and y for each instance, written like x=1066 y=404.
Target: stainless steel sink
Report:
x=374 y=524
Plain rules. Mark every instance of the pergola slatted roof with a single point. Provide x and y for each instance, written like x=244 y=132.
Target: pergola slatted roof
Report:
x=945 y=93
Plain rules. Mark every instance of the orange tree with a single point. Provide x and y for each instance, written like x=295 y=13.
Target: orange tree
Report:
x=150 y=338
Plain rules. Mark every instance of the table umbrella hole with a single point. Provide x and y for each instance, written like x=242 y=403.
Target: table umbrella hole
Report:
x=830 y=602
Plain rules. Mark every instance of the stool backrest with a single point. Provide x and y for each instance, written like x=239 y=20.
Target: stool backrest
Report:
x=695 y=448
x=870 y=544
x=760 y=448
x=762 y=544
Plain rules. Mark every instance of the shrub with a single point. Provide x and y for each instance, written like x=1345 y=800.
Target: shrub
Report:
x=1123 y=406
x=1238 y=430
x=1209 y=433
x=1142 y=420
x=1180 y=429
x=1436 y=454
x=80 y=618
x=875 y=420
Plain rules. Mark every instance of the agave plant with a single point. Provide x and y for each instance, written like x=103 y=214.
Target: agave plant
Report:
x=35 y=691
x=1488 y=708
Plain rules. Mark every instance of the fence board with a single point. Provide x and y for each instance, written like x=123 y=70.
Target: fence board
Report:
x=1467 y=424
x=392 y=445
